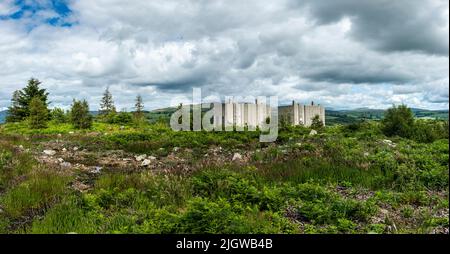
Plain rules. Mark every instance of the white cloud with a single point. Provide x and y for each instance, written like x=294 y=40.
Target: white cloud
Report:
x=164 y=48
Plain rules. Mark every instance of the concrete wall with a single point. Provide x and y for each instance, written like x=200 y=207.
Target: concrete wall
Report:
x=254 y=114
x=242 y=114
x=299 y=114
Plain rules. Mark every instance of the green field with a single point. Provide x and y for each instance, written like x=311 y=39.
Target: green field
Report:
x=345 y=179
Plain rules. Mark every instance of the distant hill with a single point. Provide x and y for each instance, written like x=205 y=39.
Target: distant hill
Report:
x=3 y=115
x=332 y=116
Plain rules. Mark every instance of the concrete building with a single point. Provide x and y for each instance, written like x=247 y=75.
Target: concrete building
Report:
x=240 y=115
x=252 y=115
x=299 y=114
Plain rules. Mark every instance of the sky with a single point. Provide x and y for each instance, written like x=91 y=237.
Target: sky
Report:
x=343 y=54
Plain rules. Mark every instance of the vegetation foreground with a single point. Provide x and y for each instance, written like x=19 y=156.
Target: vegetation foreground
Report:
x=64 y=172
x=150 y=179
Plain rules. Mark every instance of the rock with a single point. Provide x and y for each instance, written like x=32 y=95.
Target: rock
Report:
x=64 y=150
x=146 y=163
x=366 y=154
x=237 y=156
x=152 y=158
x=66 y=164
x=140 y=157
x=389 y=143
x=122 y=128
x=81 y=187
x=175 y=149
x=313 y=132
x=75 y=148
x=21 y=147
x=59 y=135
x=49 y=152
x=71 y=132
x=96 y=170
x=60 y=160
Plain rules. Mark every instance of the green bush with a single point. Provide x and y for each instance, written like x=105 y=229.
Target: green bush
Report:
x=58 y=115
x=398 y=121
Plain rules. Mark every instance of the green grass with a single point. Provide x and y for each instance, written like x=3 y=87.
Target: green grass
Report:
x=41 y=189
x=339 y=181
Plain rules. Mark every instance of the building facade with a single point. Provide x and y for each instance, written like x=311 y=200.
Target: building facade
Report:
x=252 y=115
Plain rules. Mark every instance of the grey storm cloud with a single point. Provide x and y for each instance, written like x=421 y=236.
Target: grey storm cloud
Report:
x=401 y=25
x=339 y=52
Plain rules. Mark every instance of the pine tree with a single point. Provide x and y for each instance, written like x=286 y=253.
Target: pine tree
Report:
x=107 y=103
x=20 y=102
x=14 y=111
x=38 y=114
x=80 y=117
x=139 y=108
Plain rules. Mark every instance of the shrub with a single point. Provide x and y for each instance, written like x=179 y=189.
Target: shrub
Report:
x=398 y=121
x=316 y=122
x=58 y=115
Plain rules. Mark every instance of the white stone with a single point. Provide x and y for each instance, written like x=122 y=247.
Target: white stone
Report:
x=313 y=132
x=146 y=162
x=96 y=170
x=175 y=149
x=60 y=160
x=66 y=164
x=49 y=152
x=64 y=150
x=152 y=158
x=140 y=157
x=71 y=132
x=75 y=148
x=389 y=143
x=237 y=156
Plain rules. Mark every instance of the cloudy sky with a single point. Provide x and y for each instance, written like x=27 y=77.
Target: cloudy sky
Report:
x=340 y=53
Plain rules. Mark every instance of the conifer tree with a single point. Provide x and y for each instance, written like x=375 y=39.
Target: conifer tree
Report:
x=20 y=102
x=38 y=114
x=80 y=117
x=139 y=108
x=107 y=103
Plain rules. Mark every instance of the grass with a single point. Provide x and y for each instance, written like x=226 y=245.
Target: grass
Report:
x=343 y=180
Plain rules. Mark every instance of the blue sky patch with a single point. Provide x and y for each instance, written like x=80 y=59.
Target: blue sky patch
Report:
x=31 y=8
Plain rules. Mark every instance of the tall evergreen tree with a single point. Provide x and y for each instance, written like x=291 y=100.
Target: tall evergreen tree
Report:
x=107 y=103
x=139 y=108
x=14 y=111
x=20 y=102
x=80 y=116
x=38 y=114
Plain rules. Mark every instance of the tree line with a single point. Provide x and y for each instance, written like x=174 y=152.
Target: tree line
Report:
x=31 y=104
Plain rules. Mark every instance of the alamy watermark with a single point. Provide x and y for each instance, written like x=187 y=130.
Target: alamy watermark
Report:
x=235 y=113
